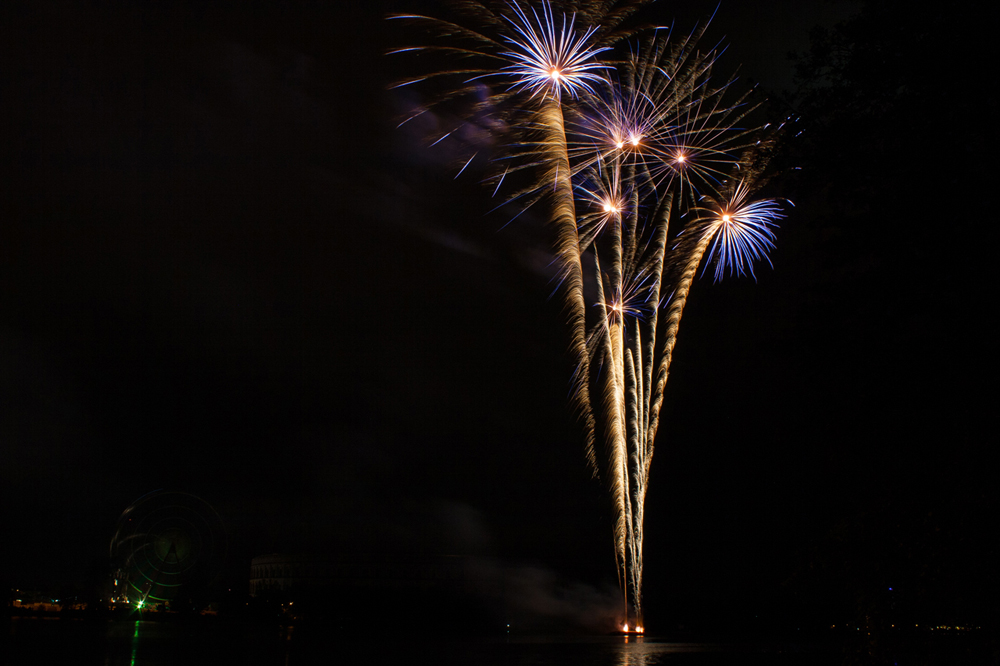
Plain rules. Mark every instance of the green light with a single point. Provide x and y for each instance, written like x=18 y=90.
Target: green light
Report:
x=135 y=641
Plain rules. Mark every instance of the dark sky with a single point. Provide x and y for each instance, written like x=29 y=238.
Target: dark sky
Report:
x=222 y=270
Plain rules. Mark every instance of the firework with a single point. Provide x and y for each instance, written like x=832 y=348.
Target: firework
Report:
x=619 y=148
x=741 y=232
x=548 y=61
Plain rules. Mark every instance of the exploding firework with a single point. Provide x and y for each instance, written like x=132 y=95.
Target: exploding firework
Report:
x=550 y=61
x=741 y=232
x=619 y=148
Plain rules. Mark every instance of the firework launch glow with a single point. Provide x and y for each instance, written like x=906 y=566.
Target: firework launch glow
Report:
x=635 y=143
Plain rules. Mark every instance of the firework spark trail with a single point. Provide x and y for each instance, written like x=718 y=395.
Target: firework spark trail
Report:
x=673 y=320
x=613 y=473
x=631 y=143
x=633 y=461
x=568 y=252
x=659 y=253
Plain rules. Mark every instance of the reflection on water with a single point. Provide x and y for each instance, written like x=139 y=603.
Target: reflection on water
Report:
x=135 y=641
x=638 y=651
x=150 y=643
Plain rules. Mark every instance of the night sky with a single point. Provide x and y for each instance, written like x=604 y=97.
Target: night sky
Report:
x=223 y=270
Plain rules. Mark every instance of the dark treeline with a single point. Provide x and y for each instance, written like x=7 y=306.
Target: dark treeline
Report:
x=890 y=236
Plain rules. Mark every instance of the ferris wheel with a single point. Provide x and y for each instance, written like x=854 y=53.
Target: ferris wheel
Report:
x=167 y=545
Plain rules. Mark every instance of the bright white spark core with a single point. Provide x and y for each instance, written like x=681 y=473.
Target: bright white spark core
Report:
x=742 y=233
x=551 y=61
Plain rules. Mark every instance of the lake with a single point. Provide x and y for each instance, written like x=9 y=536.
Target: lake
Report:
x=57 y=642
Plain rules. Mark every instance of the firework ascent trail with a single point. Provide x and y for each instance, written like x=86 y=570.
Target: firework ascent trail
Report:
x=617 y=147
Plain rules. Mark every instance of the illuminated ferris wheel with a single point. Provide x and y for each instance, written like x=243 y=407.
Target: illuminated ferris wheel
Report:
x=168 y=545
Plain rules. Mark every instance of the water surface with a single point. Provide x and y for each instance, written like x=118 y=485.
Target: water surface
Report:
x=58 y=642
